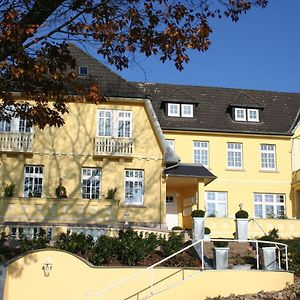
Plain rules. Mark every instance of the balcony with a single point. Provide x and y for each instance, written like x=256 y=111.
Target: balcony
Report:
x=119 y=147
x=16 y=142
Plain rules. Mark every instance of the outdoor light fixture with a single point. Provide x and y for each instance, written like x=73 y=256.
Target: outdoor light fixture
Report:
x=126 y=215
x=47 y=266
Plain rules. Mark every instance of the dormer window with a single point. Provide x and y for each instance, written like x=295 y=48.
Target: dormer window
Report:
x=83 y=70
x=252 y=115
x=246 y=114
x=180 y=110
x=187 y=110
x=173 y=110
x=240 y=114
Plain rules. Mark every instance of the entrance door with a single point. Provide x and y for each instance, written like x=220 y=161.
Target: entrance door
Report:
x=172 y=211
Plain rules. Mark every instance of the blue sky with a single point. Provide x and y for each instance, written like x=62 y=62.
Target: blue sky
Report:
x=261 y=51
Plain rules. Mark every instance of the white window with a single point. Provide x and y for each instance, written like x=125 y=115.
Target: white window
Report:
x=15 y=124
x=169 y=200
x=240 y=114
x=171 y=144
x=173 y=110
x=269 y=205
x=187 y=110
x=90 y=183
x=268 y=157
x=83 y=70
x=33 y=181
x=234 y=155
x=201 y=153
x=216 y=204
x=115 y=123
x=252 y=115
x=134 y=187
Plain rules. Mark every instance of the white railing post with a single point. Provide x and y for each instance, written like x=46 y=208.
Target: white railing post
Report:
x=279 y=258
x=286 y=258
x=202 y=255
x=152 y=281
x=257 y=256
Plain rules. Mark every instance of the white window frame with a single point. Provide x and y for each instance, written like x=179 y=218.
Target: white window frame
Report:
x=16 y=124
x=134 y=194
x=184 y=114
x=83 y=74
x=236 y=151
x=171 y=143
x=120 y=123
x=94 y=180
x=35 y=174
x=201 y=153
x=236 y=114
x=251 y=110
x=217 y=201
x=270 y=205
x=171 y=113
x=267 y=157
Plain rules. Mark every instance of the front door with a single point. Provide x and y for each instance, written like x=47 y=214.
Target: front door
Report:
x=172 y=211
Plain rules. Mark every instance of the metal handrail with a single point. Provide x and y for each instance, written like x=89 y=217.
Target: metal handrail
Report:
x=151 y=268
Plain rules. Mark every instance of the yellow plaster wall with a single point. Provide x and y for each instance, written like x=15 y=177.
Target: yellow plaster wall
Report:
x=64 y=151
x=71 y=278
x=241 y=184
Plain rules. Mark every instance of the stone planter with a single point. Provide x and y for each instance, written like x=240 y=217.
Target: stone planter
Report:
x=241 y=226
x=269 y=262
x=198 y=228
x=220 y=258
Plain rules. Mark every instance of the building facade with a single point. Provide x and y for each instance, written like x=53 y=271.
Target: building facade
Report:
x=151 y=154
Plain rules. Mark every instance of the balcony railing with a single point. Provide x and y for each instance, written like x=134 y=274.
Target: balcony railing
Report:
x=107 y=146
x=16 y=142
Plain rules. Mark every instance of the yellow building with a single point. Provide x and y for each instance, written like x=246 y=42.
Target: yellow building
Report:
x=232 y=147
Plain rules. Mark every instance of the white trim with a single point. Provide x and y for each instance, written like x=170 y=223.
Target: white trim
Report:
x=201 y=148
x=137 y=177
x=217 y=202
x=273 y=204
x=187 y=115
x=249 y=111
x=174 y=114
x=236 y=151
x=91 y=177
x=236 y=112
x=34 y=175
x=269 y=156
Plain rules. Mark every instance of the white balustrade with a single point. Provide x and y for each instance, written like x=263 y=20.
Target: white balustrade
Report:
x=113 y=146
x=16 y=142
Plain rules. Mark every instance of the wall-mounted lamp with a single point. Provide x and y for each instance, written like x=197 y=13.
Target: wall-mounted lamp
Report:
x=47 y=266
x=126 y=215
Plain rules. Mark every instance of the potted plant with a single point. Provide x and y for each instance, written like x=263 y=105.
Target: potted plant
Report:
x=61 y=191
x=241 y=224
x=198 y=224
x=220 y=253
x=207 y=232
x=9 y=190
x=268 y=251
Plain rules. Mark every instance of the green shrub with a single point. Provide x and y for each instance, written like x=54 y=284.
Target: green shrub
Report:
x=104 y=251
x=9 y=189
x=131 y=247
x=40 y=242
x=172 y=245
x=220 y=244
x=268 y=238
x=77 y=243
x=293 y=254
x=207 y=230
x=198 y=213
x=241 y=214
x=150 y=244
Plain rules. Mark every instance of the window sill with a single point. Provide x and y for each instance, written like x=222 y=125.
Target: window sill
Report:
x=268 y=171
x=133 y=206
x=236 y=170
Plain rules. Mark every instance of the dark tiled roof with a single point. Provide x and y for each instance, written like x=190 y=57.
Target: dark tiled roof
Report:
x=278 y=111
x=191 y=170
x=110 y=83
